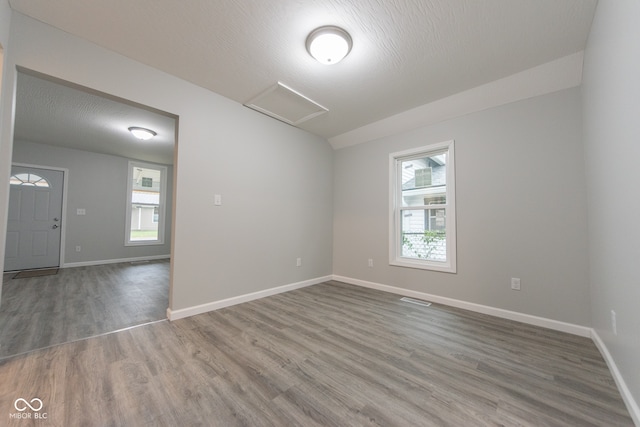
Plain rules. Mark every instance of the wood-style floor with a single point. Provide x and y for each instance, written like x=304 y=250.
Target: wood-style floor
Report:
x=326 y=355
x=80 y=302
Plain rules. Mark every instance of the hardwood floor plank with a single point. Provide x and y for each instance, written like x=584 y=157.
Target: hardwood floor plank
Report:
x=80 y=302
x=330 y=354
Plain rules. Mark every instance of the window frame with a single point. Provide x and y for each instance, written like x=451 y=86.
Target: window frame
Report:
x=395 y=208
x=161 y=205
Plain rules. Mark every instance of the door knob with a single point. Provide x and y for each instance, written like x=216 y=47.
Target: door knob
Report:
x=55 y=226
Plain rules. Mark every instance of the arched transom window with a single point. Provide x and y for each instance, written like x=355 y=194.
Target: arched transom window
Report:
x=29 y=179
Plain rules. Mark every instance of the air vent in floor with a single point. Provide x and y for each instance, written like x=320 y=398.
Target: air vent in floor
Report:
x=415 y=301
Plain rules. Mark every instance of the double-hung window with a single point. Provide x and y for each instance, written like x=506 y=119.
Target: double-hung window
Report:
x=146 y=195
x=422 y=229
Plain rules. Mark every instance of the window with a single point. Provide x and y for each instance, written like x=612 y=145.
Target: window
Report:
x=422 y=208
x=28 y=179
x=146 y=194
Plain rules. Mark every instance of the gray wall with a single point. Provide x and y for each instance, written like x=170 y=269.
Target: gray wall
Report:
x=275 y=180
x=611 y=92
x=521 y=209
x=7 y=88
x=98 y=184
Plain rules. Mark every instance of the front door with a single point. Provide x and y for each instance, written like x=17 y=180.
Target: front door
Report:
x=34 y=220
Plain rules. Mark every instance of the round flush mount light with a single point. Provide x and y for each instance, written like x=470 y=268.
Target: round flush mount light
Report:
x=142 y=133
x=329 y=44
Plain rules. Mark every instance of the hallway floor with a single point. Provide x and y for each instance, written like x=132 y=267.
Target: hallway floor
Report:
x=80 y=302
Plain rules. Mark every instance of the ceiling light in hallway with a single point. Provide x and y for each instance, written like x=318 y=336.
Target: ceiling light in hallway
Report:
x=142 y=133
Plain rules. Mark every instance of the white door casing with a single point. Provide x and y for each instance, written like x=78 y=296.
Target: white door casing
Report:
x=34 y=221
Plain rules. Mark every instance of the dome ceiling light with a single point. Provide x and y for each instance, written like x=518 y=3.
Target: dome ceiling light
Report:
x=329 y=44
x=142 y=133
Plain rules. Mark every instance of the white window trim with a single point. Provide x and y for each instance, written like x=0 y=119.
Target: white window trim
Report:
x=395 y=195
x=161 y=208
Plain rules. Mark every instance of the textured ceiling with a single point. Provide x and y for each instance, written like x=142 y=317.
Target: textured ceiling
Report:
x=56 y=113
x=405 y=53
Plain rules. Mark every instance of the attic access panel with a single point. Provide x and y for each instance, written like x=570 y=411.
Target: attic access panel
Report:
x=285 y=104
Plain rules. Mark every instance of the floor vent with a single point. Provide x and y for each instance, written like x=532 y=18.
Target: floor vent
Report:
x=415 y=301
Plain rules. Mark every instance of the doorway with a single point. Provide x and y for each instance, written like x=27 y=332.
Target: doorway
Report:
x=34 y=226
x=102 y=284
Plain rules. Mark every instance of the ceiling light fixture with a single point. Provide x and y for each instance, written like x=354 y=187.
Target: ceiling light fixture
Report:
x=142 y=133
x=329 y=44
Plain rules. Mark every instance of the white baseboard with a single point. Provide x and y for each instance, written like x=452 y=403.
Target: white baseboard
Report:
x=479 y=308
x=114 y=261
x=632 y=405
x=216 y=305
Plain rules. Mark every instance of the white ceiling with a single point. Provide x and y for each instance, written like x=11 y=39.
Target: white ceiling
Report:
x=405 y=53
x=53 y=112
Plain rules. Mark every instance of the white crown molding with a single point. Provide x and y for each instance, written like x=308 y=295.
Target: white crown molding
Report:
x=563 y=73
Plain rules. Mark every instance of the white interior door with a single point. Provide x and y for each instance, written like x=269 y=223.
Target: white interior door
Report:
x=34 y=220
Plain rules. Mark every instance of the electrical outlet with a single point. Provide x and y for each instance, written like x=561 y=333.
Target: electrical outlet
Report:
x=298 y=262
x=370 y=262
x=515 y=283
x=614 y=323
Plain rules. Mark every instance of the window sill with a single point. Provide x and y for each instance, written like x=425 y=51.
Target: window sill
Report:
x=444 y=267
x=144 y=243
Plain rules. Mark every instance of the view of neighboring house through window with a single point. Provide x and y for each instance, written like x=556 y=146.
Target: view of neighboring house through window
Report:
x=145 y=206
x=422 y=211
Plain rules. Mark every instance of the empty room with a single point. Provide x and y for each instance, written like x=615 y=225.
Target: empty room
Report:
x=391 y=213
